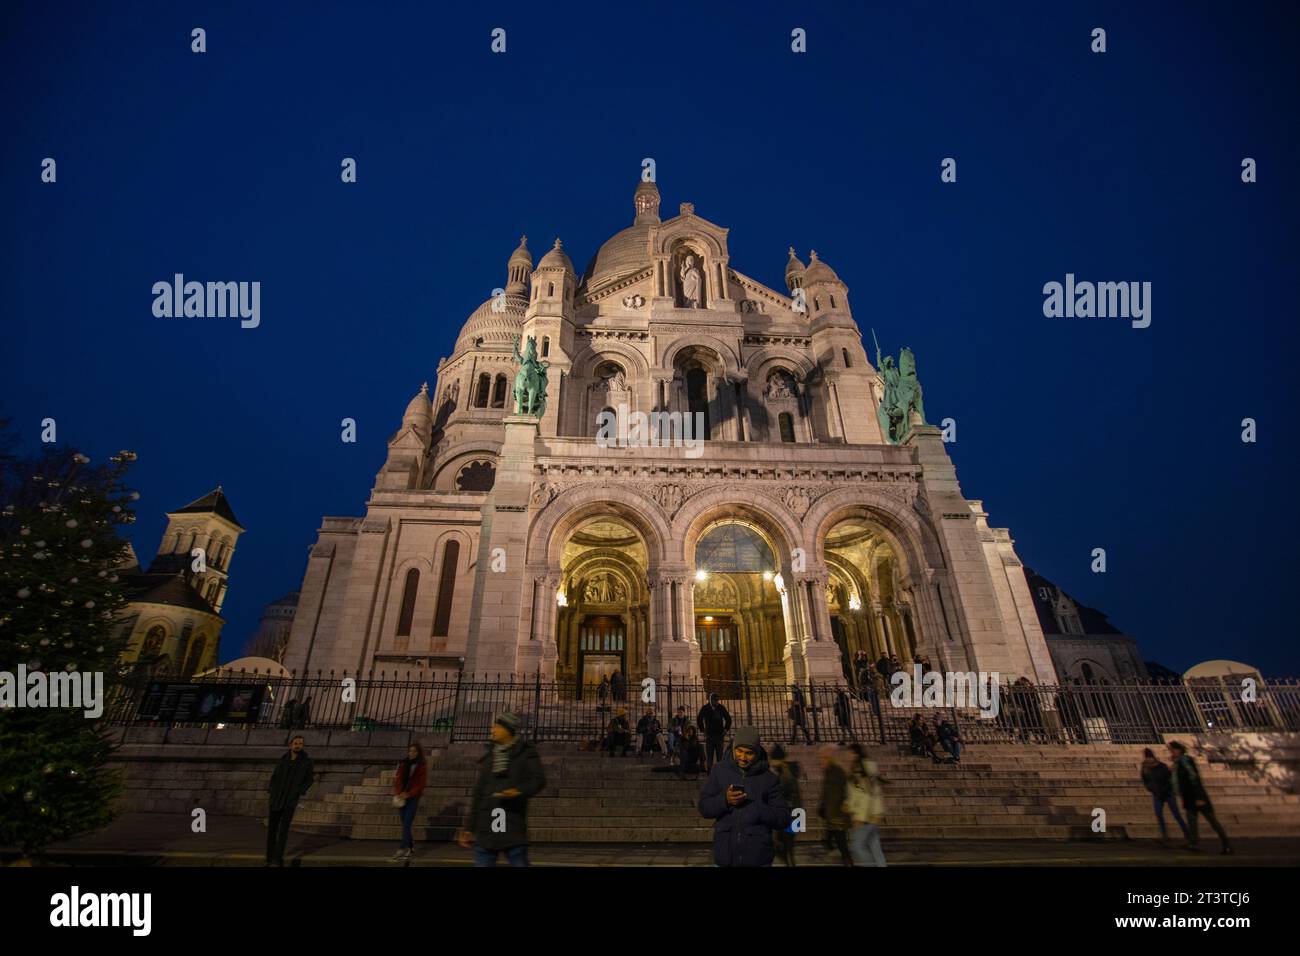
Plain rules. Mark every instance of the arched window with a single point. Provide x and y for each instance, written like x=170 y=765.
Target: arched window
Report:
x=786 y=422
x=484 y=387
x=1086 y=670
x=832 y=302
x=153 y=642
x=499 y=392
x=848 y=362
x=446 y=589
x=408 y=603
x=550 y=288
x=817 y=305
x=546 y=345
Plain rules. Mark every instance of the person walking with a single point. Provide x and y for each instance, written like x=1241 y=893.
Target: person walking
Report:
x=618 y=687
x=831 y=807
x=1157 y=778
x=1190 y=788
x=743 y=798
x=290 y=781
x=509 y=775
x=865 y=806
x=787 y=775
x=715 y=722
x=798 y=713
x=408 y=785
x=844 y=715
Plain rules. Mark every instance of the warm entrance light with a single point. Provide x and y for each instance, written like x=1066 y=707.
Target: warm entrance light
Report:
x=854 y=603
x=560 y=599
x=701 y=574
x=708 y=617
x=767 y=575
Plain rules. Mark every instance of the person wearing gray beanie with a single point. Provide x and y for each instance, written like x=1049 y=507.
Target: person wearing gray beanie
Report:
x=743 y=798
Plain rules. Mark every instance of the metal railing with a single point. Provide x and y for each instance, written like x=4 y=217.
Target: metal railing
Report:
x=464 y=706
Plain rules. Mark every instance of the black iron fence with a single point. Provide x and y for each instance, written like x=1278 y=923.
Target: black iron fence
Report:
x=463 y=707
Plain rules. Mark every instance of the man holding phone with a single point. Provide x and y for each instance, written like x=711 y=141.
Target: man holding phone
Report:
x=743 y=798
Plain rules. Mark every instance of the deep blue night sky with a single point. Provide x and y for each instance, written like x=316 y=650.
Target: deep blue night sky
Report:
x=1076 y=433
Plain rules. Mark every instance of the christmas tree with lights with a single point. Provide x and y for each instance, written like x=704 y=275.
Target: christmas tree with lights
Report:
x=61 y=590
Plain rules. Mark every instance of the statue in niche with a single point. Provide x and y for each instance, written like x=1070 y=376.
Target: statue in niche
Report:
x=692 y=280
x=780 y=385
x=616 y=381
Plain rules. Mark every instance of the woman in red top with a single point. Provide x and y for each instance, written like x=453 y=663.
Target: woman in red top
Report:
x=408 y=784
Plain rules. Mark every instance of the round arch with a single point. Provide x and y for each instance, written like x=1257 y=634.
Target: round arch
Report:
x=727 y=357
x=704 y=510
x=915 y=544
x=588 y=360
x=557 y=522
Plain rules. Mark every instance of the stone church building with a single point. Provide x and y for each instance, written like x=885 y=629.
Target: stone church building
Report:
x=500 y=543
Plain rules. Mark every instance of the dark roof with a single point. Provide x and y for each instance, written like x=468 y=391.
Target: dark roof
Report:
x=1160 y=672
x=166 y=589
x=1093 y=621
x=214 y=501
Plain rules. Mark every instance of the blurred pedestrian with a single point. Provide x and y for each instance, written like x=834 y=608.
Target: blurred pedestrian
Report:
x=510 y=773
x=408 y=785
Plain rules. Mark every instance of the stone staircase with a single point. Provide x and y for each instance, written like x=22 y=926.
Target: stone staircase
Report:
x=997 y=792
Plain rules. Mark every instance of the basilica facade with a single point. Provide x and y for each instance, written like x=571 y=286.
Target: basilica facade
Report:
x=799 y=531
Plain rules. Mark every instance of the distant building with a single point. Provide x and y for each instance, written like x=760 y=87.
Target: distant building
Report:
x=173 y=621
x=1085 y=646
x=272 y=634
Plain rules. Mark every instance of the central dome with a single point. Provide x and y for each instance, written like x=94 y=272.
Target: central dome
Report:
x=622 y=254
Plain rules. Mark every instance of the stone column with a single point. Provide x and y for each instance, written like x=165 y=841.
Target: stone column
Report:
x=500 y=631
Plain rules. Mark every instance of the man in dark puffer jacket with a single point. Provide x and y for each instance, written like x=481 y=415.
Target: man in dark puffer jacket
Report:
x=743 y=798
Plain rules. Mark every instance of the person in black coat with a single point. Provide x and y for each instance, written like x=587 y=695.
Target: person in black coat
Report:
x=651 y=731
x=743 y=798
x=1196 y=801
x=714 y=722
x=509 y=774
x=1159 y=783
x=798 y=713
x=289 y=783
x=619 y=735
x=618 y=686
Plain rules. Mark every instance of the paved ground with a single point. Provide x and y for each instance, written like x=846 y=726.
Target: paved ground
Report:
x=155 y=839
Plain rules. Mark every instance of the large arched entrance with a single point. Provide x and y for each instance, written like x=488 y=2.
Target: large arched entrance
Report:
x=870 y=610
x=739 y=625
x=603 y=605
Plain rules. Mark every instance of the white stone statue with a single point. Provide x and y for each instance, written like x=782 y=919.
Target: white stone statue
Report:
x=691 y=279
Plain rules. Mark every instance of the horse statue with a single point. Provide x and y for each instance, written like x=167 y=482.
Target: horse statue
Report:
x=530 y=380
x=902 y=398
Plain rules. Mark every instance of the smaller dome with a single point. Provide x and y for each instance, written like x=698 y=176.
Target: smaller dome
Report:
x=522 y=255
x=419 y=411
x=646 y=201
x=557 y=258
x=518 y=267
x=794 y=271
x=818 y=271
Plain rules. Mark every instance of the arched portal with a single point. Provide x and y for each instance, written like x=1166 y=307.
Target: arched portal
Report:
x=602 y=605
x=870 y=608
x=739 y=620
